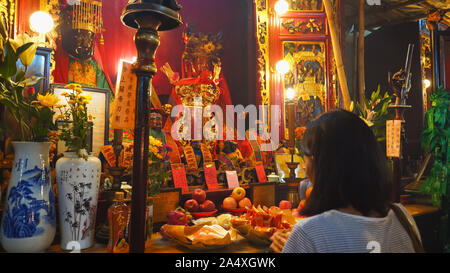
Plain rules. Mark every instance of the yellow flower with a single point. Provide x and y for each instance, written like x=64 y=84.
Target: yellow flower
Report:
x=153 y=150
x=90 y=117
x=72 y=86
x=80 y=107
x=78 y=90
x=88 y=97
x=65 y=94
x=71 y=102
x=27 y=56
x=48 y=100
x=155 y=142
x=59 y=106
x=60 y=117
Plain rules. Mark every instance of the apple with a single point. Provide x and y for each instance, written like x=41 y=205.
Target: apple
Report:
x=238 y=193
x=229 y=203
x=191 y=205
x=199 y=195
x=284 y=204
x=245 y=202
x=207 y=206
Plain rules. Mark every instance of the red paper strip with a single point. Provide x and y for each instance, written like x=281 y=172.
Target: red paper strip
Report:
x=211 y=177
x=232 y=179
x=260 y=172
x=179 y=177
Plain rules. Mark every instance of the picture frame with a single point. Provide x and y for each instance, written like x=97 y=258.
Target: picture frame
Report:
x=40 y=67
x=98 y=107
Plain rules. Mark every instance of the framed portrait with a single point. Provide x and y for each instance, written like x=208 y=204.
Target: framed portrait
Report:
x=40 y=67
x=307 y=78
x=282 y=168
x=98 y=107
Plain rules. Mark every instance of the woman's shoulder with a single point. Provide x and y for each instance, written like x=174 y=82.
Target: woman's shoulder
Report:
x=315 y=221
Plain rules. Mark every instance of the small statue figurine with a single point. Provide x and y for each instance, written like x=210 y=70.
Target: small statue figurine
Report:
x=229 y=156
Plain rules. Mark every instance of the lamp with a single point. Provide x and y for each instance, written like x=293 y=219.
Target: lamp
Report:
x=281 y=7
x=42 y=23
x=426 y=83
x=282 y=67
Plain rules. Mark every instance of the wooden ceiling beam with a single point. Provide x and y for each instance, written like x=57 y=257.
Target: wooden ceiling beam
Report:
x=386 y=8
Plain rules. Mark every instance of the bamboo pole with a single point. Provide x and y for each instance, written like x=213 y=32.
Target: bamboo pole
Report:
x=361 y=75
x=337 y=54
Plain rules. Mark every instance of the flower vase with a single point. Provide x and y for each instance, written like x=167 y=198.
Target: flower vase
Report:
x=78 y=182
x=29 y=216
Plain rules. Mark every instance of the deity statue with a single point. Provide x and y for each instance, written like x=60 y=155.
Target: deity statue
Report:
x=81 y=22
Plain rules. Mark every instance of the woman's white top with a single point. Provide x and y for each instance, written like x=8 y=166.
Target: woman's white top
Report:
x=337 y=232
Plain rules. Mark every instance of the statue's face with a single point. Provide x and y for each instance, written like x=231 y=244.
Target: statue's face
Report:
x=155 y=121
x=79 y=43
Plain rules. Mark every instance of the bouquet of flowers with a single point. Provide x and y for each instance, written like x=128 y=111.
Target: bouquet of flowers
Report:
x=157 y=159
x=77 y=121
x=31 y=111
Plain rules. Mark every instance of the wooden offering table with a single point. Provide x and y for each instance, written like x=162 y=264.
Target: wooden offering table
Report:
x=162 y=245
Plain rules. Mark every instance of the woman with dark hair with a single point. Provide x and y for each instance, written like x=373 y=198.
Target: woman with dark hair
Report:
x=349 y=209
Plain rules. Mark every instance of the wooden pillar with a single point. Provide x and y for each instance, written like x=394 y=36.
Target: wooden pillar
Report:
x=361 y=75
x=147 y=16
x=337 y=54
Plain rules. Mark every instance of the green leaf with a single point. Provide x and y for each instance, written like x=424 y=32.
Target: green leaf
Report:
x=20 y=75
x=30 y=81
x=9 y=67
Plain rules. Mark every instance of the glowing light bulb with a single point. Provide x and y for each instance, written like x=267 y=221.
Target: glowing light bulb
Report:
x=290 y=94
x=427 y=83
x=41 y=22
x=282 y=67
x=281 y=7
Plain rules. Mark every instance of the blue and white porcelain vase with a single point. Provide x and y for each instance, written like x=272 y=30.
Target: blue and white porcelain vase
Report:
x=78 y=182
x=29 y=217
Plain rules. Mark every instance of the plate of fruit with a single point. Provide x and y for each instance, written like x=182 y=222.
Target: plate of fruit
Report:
x=258 y=224
x=198 y=206
x=237 y=203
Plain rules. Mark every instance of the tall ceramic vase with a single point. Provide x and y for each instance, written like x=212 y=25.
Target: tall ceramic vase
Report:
x=78 y=182
x=29 y=216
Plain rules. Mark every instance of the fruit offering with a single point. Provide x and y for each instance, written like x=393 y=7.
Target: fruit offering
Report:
x=199 y=203
x=237 y=200
x=179 y=216
x=259 y=223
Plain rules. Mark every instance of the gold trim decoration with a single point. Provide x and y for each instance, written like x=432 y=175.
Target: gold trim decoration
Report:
x=425 y=60
x=262 y=32
x=87 y=14
x=8 y=10
x=304 y=26
x=190 y=157
x=305 y=5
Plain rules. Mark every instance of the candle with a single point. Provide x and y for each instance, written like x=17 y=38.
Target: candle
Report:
x=291 y=125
